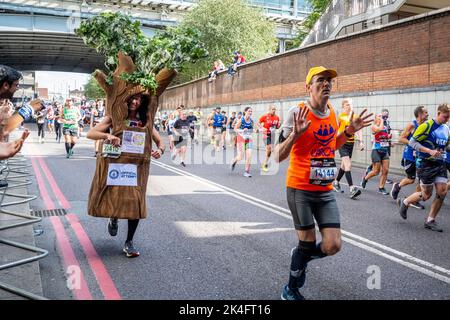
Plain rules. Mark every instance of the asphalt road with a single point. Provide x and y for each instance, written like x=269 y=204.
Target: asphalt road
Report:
x=214 y=234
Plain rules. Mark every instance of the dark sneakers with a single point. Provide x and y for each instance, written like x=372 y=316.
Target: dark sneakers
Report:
x=337 y=187
x=289 y=294
x=363 y=182
x=354 y=193
x=383 y=191
x=417 y=205
x=113 y=226
x=395 y=190
x=433 y=226
x=233 y=165
x=130 y=250
x=403 y=208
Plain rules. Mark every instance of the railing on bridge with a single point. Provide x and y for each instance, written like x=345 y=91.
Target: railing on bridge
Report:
x=341 y=10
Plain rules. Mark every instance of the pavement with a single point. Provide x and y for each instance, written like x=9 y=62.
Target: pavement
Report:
x=213 y=234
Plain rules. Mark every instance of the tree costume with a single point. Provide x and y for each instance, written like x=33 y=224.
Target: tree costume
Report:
x=119 y=185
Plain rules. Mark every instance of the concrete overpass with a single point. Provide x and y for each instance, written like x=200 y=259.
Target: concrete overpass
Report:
x=43 y=39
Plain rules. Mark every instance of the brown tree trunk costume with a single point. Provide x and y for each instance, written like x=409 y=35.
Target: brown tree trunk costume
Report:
x=125 y=202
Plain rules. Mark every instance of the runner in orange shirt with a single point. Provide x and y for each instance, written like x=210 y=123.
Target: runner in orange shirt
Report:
x=310 y=137
x=268 y=123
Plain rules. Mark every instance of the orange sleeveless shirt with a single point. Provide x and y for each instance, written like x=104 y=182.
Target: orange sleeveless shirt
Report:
x=312 y=166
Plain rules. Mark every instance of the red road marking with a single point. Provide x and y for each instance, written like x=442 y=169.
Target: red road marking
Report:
x=101 y=274
x=59 y=195
x=69 y=257
x=104 y=280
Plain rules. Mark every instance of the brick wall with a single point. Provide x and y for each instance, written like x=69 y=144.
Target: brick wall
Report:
x=413 y=53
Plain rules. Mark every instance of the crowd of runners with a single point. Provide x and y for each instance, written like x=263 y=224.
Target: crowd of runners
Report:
x=310 y=135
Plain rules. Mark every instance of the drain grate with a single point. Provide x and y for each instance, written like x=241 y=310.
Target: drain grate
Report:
x=48 y=213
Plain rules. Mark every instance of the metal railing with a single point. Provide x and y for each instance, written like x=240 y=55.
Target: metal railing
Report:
x=13 y=173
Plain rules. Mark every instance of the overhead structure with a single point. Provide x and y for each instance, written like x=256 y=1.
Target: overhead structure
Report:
x=348 y=17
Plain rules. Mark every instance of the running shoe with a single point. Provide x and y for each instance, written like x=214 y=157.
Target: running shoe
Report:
x=289 y=294
x=354 y=193
x=113 y=226
x=265 y=168
x=433 y=226
x=130 y=250
x=233 y=165
x=70 y=153
x=182 y=163
x=337 y=187
x=403 y=208
x=368 y=169
x=389 y=181
x=363 y=182
x=383 y=191
x=247 y=174
x=395 y=190
x=417 y=205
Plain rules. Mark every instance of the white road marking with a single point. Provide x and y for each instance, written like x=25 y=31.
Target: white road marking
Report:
x=206 y=229
x=361 y=242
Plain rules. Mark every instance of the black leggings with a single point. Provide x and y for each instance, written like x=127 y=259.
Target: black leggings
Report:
x=58 y=130
x=41 y=130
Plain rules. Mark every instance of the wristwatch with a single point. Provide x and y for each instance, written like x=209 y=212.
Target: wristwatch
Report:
x=162 y=150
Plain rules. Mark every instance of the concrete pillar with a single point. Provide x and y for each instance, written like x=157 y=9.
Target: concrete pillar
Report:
x=282 y=44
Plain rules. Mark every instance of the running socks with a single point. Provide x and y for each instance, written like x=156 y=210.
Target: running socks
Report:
x=348 y=176
x=301 y=255
x=67 y=147
x=132 y=226
x=340 y=174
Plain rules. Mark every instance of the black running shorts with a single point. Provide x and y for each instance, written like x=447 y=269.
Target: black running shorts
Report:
x=410 y=168
x=430 y=172
x=346 y=150
x=306 y=206
x=70 y=132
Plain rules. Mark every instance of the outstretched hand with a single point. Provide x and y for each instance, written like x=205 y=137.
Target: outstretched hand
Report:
x=300 y=123
x=359 y=122
x=10 y=149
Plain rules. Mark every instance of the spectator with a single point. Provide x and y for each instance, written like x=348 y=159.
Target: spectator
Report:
x=9 y=83
x=218 y=66
x=238 y=59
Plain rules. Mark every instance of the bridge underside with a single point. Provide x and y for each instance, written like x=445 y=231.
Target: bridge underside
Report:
x=47 y=52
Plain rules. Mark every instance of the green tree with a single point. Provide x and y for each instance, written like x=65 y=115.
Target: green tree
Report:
x=318 y=8
x=92 y=89
x=226 y=26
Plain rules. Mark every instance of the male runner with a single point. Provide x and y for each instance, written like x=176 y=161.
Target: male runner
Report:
x=346 y=151
x=430 y=140
x=309 y=136
x=409 y=158
x=268 y=123
x=70 y=116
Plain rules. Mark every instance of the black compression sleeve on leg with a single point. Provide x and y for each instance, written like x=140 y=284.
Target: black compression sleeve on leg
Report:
x=340 y=174
x=348 y=176
x=67 y=147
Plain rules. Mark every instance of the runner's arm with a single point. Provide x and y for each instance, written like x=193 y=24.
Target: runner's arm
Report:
x=405 y=133
x=100 y=131
x=157 y=139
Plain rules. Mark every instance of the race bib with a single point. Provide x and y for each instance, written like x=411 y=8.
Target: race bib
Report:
x=133 y=142
x=109 y=151
x=322 y=171
x=218 y=130
x=384 y=144
x=122 y=175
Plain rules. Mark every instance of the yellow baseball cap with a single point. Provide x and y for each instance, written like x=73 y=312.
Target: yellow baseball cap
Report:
x=317 y=70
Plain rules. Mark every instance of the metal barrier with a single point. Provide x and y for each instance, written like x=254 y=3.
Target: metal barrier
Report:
x=17 y=166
